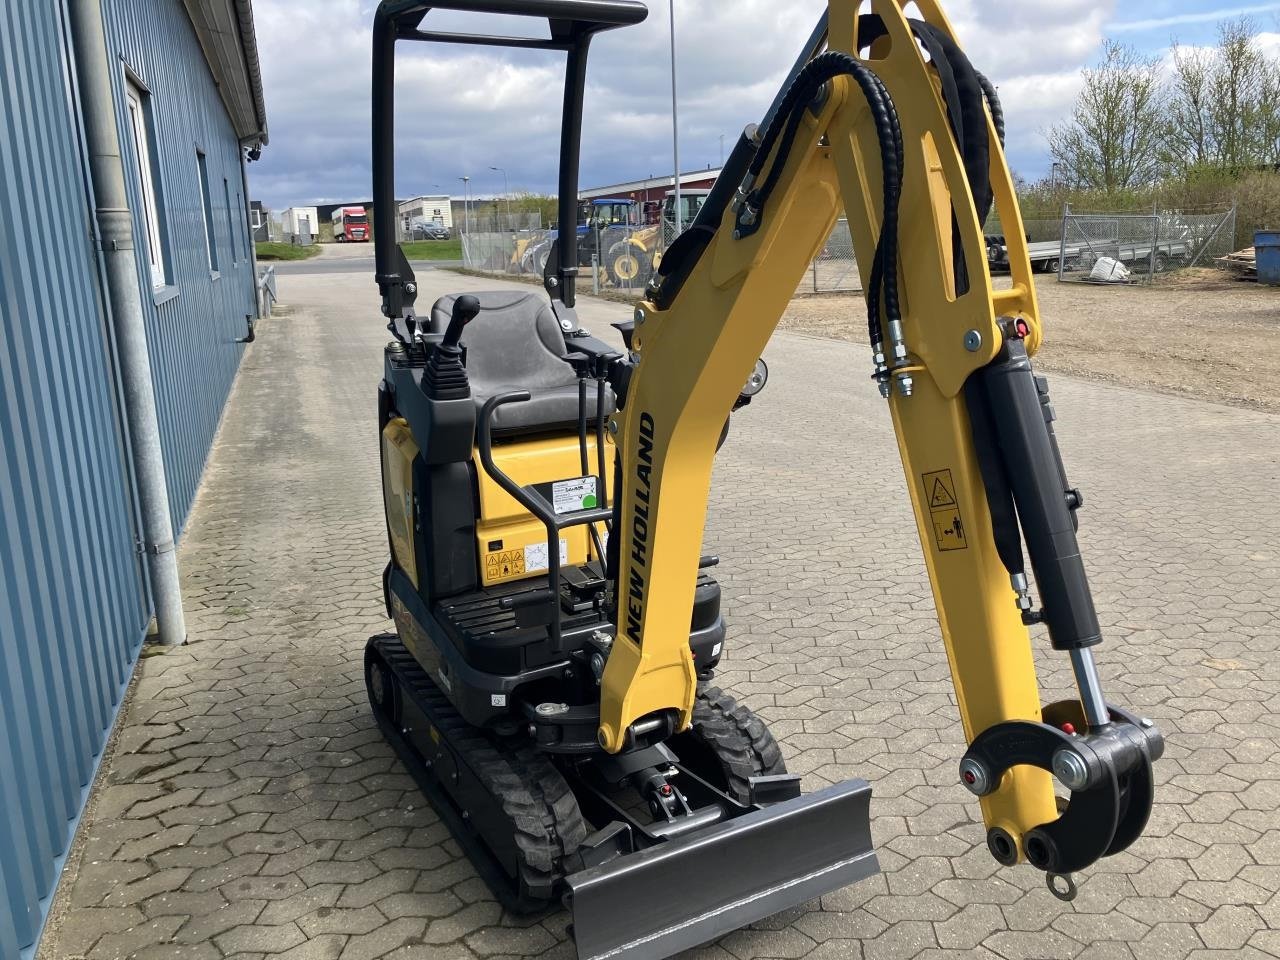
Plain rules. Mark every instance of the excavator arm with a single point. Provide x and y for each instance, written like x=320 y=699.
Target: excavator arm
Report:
x=884 y=118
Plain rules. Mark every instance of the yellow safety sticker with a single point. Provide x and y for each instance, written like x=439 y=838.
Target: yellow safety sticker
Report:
x=944 y=510
x=504 y=565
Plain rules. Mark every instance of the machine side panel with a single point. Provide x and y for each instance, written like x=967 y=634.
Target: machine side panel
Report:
x=399 y=451
x=446 y=529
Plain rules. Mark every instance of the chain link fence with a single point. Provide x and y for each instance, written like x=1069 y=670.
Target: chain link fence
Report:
x=622 y=257
x=835 y=269
x=618 y=256
x=1138 y=248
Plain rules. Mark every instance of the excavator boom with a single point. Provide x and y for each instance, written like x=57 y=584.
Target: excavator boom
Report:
x=893 y=125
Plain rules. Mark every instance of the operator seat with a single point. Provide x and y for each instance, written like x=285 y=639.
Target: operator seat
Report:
x=515 y=343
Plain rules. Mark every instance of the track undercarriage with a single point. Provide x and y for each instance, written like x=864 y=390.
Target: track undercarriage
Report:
x=649 y=848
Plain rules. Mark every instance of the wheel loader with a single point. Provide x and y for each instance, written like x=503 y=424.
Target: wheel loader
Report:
x=551 y=681
x=630 y=260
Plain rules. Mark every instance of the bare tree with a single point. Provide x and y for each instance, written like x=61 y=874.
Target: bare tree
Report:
x=1189 y=142
x=1112 y=141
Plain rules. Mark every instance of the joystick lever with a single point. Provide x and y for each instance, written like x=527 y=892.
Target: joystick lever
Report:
x=465 y=309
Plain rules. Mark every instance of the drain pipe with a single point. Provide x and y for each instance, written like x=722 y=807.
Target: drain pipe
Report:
x=115 y=233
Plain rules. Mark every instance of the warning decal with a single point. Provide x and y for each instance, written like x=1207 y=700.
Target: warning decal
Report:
x=942 y=493
x=503 y=565
x=944 y=511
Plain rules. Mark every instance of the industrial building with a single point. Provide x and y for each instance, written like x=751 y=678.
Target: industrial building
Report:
x=127 y=287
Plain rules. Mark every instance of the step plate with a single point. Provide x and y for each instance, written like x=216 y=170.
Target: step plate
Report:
x=685 y=892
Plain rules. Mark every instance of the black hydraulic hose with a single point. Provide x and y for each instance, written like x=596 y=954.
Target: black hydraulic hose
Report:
x=993 y=104
x=782 y=133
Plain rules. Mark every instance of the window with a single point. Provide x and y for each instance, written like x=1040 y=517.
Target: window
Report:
x=206 y=207
x=231 y=223
x=140 y=136
x=256 y=218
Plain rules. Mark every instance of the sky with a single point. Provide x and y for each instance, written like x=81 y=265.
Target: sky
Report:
x=463 y=110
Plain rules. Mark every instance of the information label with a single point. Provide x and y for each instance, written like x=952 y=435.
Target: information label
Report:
x=570 y=496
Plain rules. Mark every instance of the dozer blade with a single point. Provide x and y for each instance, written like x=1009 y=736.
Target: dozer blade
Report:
x=687 y=891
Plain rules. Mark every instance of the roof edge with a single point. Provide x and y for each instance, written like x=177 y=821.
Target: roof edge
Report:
x=249 y=45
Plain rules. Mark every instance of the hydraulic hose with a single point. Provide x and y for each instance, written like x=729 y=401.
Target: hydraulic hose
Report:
x=784 y=128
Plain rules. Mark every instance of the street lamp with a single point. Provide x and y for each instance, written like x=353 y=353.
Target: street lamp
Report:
x=675 y=123
x=466 y=204
x=506 y=191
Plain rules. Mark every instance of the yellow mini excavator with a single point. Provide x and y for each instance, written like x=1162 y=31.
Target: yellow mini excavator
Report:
x=550 y=683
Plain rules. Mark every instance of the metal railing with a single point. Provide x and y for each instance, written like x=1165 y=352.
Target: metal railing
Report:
x=267 y=296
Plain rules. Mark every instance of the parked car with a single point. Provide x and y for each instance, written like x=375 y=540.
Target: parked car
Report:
x=422 y=230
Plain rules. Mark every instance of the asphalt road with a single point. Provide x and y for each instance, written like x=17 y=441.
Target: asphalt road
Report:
x=362 y=264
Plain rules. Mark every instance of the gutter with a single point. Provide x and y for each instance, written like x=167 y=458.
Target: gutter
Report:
x=249 y=44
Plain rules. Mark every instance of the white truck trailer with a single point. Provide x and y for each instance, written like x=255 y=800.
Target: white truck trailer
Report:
x=300 y=225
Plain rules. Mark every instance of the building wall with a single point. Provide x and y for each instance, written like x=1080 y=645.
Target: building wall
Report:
x=262 y=232
x=74 y=604
x=438 y=209
x=202 y=316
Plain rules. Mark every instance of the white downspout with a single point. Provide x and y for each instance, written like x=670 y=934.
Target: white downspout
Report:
x=115 y=230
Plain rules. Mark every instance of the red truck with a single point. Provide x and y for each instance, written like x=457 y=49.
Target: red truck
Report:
x=351 y=225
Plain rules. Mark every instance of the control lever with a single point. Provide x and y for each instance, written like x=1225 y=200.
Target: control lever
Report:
x=445 y=377
x=465 y=309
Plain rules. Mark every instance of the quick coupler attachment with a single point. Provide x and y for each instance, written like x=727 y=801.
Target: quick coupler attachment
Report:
x=1107 y=770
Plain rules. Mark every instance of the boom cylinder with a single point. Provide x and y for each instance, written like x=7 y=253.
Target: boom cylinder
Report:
x=1035 y=476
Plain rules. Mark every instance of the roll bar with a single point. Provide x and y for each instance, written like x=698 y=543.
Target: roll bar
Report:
x=572 y=25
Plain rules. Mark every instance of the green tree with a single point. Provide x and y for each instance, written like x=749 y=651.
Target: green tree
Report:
x=1267 y=120
x=1236 y=87
x=1113 y=139
x=1189 y=142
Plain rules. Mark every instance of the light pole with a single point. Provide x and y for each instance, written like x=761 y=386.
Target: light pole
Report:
x=675 y=122
x=466 y=204
x=506 y=192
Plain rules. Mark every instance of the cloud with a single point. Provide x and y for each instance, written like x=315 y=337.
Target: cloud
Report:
x=461 y=110
x=1184 y=19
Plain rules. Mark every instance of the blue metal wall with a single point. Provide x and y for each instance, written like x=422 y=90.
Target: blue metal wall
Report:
x=73 y=596
x=154 y=39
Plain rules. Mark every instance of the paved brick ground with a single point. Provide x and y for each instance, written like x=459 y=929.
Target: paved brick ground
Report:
x=250 y=807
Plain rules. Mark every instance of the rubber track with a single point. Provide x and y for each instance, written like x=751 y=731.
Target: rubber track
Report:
x=535 y=798
x=740 y=740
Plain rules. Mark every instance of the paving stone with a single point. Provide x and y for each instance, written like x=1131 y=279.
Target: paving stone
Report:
x=93 y=923
x=120 y=944
x=758 y=944
x=1230 y=927
x=324 y=947
x=968 y=928
x=206 y=926
x=458 y=925
x=335 y=920
x=386 y=938
x=259 y=937
x=517 y=942
x=249 y=770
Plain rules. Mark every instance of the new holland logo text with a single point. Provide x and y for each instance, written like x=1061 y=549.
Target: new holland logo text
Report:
x=640 y=527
